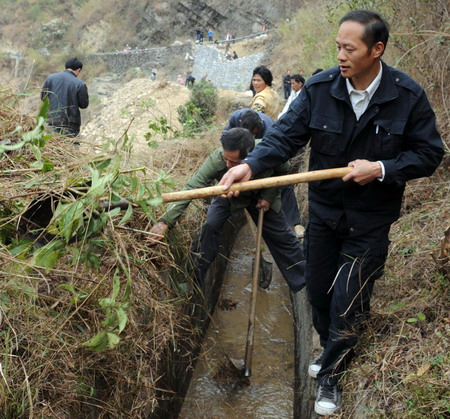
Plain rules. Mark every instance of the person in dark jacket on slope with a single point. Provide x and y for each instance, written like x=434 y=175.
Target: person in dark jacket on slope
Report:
x=375 y=119
x=66 y=94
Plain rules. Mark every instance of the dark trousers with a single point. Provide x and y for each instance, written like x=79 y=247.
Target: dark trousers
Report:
x=340 y=275
x=289 y=205
x=282 y=243
x=287 y=91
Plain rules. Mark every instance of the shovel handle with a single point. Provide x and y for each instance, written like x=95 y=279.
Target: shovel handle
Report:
x=269 y=182
x=252 y=315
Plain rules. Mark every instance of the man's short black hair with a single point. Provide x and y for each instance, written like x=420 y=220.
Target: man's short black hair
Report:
x=265 y=74
x=298 y=78
x=317 y=71
x=251 y=120
x=74 y=64
x=239 y=139
x=376 y=28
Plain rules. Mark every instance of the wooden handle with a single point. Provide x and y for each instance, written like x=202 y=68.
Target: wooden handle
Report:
x=252 y=315
x=268 y=182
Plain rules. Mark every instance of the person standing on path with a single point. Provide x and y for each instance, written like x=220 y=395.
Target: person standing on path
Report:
x=66 y=94
x=287 y=84
x=297 y=82
x=377 y=120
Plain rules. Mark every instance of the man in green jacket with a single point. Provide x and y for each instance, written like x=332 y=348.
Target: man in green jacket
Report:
x=282 y=243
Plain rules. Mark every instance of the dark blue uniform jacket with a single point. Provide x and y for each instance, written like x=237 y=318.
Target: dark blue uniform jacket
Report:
x=235 y=118
x=398 y=128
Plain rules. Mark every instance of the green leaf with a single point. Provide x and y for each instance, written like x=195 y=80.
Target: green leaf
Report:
x=113 y=212
x=43 y=111
x=48 y=166
x=67 y=287
x=106 y=302
x=412 y=320
x=72 y=220
x=122 y=318
x=22 y=248
x=102 y=164
x=113 y=340
x=48 y=255
x=155 y=201
x=116 y=286
x=98 y=342
x=127 y=215
x=421 y=317
x=127 y=292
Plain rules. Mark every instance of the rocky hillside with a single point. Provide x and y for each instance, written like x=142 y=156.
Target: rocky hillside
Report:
x=94 y=26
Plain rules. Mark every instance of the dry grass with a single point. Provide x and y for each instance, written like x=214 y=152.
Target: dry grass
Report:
x=402 y=363
x=46 y=314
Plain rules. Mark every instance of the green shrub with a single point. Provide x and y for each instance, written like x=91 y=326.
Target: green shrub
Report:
x=201 y=108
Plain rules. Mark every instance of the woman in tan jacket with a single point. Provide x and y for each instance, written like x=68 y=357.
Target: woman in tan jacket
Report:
x=265 y=100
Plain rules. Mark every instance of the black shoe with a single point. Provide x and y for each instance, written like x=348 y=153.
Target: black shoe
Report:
x=328 y=399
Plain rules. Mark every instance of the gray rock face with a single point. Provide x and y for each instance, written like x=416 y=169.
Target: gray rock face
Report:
x=203 y=60
x=223 y=73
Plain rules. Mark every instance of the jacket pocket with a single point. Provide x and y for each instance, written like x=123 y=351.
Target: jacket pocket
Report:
x=326 y=134
x=389 y=135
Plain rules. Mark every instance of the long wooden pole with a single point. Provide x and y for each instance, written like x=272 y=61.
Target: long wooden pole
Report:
x=268 y=182
x=252 y=315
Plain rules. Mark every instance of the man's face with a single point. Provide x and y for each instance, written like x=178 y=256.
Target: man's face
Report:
x=296 y=85
x=356 y=62
x=232 y=158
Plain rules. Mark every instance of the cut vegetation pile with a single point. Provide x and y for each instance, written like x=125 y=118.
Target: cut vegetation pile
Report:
x=86 y=318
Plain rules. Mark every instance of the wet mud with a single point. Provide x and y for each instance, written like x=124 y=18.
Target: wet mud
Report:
x=218 y=388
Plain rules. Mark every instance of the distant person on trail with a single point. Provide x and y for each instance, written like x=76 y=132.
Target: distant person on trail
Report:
x=197 y=34
x=66 y=94
x=265 y=99
x=180 y=79
x=210 y=35
x=377 y=121
x=235 y=56
x=287 y=84
x=154 y=71
x=202 y=34
x=190 y=80
x=283 y=245
x=297 y=82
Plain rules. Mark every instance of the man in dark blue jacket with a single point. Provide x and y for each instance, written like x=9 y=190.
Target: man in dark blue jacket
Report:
x=256 y=122
x=66 y=94
x=377 y=120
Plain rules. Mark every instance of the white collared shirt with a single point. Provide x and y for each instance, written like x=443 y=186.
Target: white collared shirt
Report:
x=360 y=101
x=291 y=98
x=360 y=98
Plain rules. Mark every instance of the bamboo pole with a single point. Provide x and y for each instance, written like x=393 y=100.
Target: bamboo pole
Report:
x=269 y=182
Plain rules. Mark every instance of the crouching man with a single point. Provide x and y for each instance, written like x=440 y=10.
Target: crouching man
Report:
x=282 y=243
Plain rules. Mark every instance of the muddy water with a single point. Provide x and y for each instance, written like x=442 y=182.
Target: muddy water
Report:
x=217 y=390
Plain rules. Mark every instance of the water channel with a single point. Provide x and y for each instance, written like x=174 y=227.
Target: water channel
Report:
x=217 y=388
